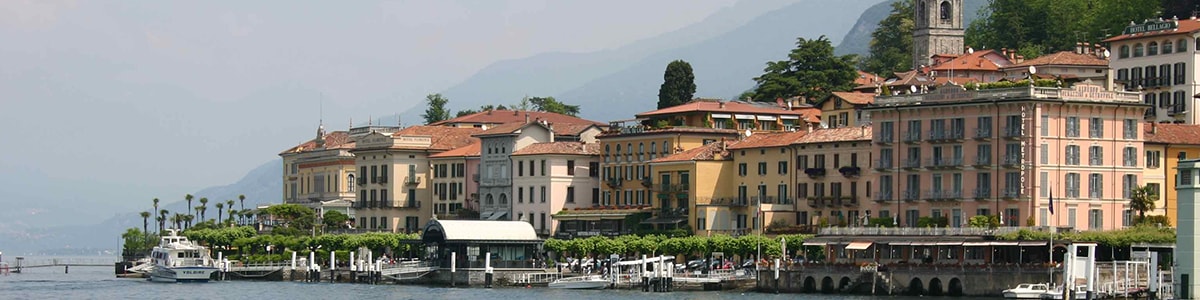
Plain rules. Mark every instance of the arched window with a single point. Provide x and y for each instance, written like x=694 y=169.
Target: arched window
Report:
x=489 y=200
x=1123 y=52
x=503 y=199
x=653 y=148
x=618 y=153
x=350 y=183
x=946 y=12
x=1168 y=47
x=641 y=150
x=1152 y=49
x=629 y=151
x=666 y=149
x=1138 y=50
x=1181 y=45
x=921 y=11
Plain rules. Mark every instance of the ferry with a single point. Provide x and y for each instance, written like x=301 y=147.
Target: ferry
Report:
x=176 y=259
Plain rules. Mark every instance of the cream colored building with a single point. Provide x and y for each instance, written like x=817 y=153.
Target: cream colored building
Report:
x=455 y=181
x=320 y=173
x=554 y=177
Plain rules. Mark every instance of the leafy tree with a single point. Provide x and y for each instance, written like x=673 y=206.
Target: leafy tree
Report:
x=812 y=72
x=892 y=42
x=1142 y=199
x=437 y=108
x=549 y=104
x=292 y=216
x=1033 y=27
x=334 y=219
x=679 y=84
x=137 y=243
x=464 y=112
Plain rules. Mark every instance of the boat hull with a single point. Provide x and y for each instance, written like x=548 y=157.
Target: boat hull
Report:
x=580 y=283
x=182 y=274
x=1020 y=295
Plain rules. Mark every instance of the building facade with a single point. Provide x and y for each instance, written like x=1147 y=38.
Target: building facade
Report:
x=1003 y=152
x=455 y=182
x=938 y=29
x=1158 y=58
x=1168 y=145
x=553 y=177
x=846 y=109
x=320 y=173
x=497 y=168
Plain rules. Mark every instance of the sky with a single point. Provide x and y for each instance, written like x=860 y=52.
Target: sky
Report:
x=107 y=104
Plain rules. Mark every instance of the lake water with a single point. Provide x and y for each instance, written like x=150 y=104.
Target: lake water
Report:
x=99 y=283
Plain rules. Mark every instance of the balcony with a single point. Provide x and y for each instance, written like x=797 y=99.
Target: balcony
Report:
x=475 y=177
x=912 y=163
x=933 y=195
x=495 y=182
x=938 y=136
x=850 y=171
x=411 y=180
x=848 y=201
x=1012 y=192
x=382 y=179
x=883 y=196
x=912 y=195
x=362 y=181
x=1012 y=132
x=613 y=182
x=764 y=199
x=815 y=202
x=912 y=137
x=983 y=133
x=983 y=193
x=729 y=201
x=815 y=172
x=982 y=161
x=952 y=195
x=883 y=164
x=884 y=138
x=1012 y=161
x=944 y=162
x=647 y=182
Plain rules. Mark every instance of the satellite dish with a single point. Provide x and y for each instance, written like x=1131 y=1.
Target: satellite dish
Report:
x=970 y=50
x=1106 y=53
x=1032 y=70
x=912 y=88
x=748 y=133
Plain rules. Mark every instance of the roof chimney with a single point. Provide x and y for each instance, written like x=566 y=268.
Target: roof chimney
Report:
x=1004 y=52
x=1020 y=58
x=779 y=101
x=722 y=104
x=863 y=130
x=1078 y=48
x=1087 y=48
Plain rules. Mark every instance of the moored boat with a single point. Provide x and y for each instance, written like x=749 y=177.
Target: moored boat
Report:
x=1027 y=291
x=592 y=282
x=176 y=259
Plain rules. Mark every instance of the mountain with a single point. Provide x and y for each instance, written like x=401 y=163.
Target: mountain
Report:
x=858 y=40
x=724 y=65
x=261 y=185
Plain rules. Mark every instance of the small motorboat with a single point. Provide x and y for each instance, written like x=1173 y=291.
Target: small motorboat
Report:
x=1027 y=291
x=591 y=282
x=1057 y=293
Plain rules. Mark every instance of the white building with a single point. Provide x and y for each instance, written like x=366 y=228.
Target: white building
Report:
x=1159 y=58
x=1186 y=255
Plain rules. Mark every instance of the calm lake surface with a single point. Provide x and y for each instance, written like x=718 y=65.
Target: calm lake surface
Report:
x=99 y=283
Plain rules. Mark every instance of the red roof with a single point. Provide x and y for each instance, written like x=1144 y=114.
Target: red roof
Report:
x=470 y=150
x=774 y=139
x=1186 y=26
x=1179 y=134
x=717 y=106
x=511 y=116
x=977 y=61
x=1065 y=58
x=674 y=130
x=333 y=140
x=576 y=148
x=865 y=78
x=856 y=98
x=712 y=151
x=843 y=134
x=444 y=138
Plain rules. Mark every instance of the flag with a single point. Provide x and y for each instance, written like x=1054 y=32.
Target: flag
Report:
x=1051 y=201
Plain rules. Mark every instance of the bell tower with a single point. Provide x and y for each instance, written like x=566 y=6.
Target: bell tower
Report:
x=938 y=29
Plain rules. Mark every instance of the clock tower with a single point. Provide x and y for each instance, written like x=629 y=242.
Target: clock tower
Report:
x=938 y=29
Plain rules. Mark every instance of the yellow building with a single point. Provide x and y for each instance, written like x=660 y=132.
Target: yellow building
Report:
x=1166 y=145
x=845 y=109
x=320 y=173
x=830 y=167
x=762 y=179
x=690 y=187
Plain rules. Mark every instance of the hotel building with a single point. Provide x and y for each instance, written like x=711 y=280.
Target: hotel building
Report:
x=1159 y=59
x=320 y=173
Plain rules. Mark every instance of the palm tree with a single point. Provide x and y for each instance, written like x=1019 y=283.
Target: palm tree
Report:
x=1142 y=199
x=187 y=219
x=229 y=205
x=220 y=210
x=156 y=210
x=176 y=219
x=242 y=199
x=232 y=212
x=162 y=219
x=200 y=209
x=203 y=202
x=145 y=217
x=189 y=201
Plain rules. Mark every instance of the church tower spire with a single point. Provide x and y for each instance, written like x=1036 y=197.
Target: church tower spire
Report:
x=938 y=29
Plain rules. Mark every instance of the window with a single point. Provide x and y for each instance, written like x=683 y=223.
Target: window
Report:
x=570 y=167
x=1130 y=157
x=1138 y=50
x=984 y=154
x=1127 y=218
x=593 y=169
x=1164 y=75
x=543 y=194
x=1181 y=45
x=1130 y=129
x=762 y=168
x=1185 y=177
x=1044 y=186
x=1072 y=126
x=742 y=169
x=1152 y=48
x=1096 y=128
x=1180 y=73
x=520 y=168
x=819 y=161
x=1152 y=159
x=1096 y=186
x=1072 y=183
x=1071 y=217
x=1129 y=183
x=1045 y=154
x=1167 y=47
x=1095 y=156
x=543 y=168
x=1095 y=219
x=783 y=167
x=521 y=195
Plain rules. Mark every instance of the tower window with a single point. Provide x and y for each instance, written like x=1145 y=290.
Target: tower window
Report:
x=945 y=11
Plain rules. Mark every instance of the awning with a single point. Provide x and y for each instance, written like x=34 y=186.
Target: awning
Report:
x=786 y=117
x=949 y=243
x=976 y=244
x=721 y=116
x=484 y=215
x=858 y=245
x=497 y=216
x=766 y=118
x=660 y=220
x=998 y=243
x=923 y=243
x=744 y=117
x=899 y=243
x=814 y=243
x=1032 y=243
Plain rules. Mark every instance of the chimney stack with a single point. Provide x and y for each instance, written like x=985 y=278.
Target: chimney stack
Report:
x=1004 y=52
x=1078 y=48
x=1087 y=48
x=1020 y=58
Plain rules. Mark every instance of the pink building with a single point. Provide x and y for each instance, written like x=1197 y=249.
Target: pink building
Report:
x=956 y=154
x=456 y=181
x=552 y=177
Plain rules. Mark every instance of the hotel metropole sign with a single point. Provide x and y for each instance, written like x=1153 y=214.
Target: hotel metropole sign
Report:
x=1152 y=25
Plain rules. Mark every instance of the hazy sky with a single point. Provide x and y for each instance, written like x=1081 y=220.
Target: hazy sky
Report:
x=113 y=103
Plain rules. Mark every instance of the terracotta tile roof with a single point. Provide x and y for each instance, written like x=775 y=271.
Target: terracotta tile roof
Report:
x=978 y=61
x=717 y=106
x=1064 y=58
x=471 y=150
x=856 y=98
x=911 y=77
x=333 y=140
x=844 y=134
x=1178 y=134
x=712 y=151
x=865 y=78
x=576 y=148
x=1186 y=26
x=570 y=129
x=510 y=116
x=774 y=139
x=958 y=80
x=444 y=138
x=674 y=130
x=502 y=129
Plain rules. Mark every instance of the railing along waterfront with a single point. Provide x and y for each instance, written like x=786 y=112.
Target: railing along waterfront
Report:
x=917 y=231
x=1086 y=93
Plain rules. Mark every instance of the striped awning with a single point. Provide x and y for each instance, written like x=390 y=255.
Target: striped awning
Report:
x=858 y=245
x=744 y=117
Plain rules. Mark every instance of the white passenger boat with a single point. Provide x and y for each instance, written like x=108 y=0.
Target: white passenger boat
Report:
x=1027 y=291
x=1057 y=294
x=178 y=260
x=593 y=282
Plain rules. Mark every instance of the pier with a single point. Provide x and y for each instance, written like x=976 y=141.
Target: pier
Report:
x=21 y=263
